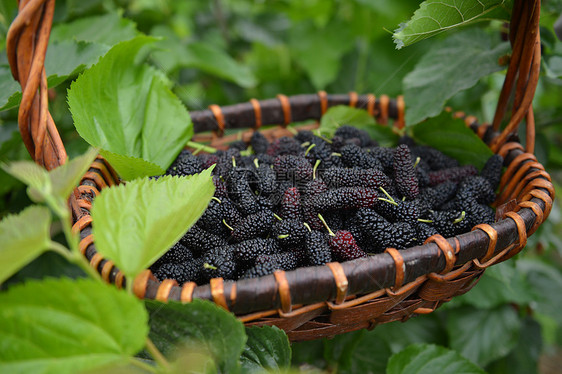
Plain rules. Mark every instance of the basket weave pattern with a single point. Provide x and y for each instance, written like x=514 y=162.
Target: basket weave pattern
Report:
x=315 y=302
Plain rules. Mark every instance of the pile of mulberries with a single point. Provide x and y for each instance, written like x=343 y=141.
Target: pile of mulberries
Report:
x=308 y=200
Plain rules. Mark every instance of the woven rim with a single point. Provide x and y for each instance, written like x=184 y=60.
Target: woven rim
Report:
x=327 y=300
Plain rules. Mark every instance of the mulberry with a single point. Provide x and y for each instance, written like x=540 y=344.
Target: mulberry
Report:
x=185 y=164
x=344 y=247
x=317 y=248
x=253 y=225
x=404 y=173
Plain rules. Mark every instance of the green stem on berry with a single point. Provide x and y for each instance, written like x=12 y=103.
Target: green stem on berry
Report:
x=316 y=164
x=388 y=201
x=309 y=148
x=202 y=147
x=425 y=220
x=336 y=154
x=276 y=216
x=227 y=225
x=388 y=195
x=233 y=161
x=326 y=225
x=319 y=134
x=403 y=198
x=209 y=266
x=256 y=163
x=305 y=144
x=307 y=226
x=248 y=151
x=216 y=199
x=461 y=218
x=418 y=159
x=283 y=236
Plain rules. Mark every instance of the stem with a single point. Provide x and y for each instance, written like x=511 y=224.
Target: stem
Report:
x=233 y=161
x=336 y=154
x=226 y=224
x=388 y=201
x=216 y=199
x=418 y=159
x=142 y=365
x=316 y=164
x=256 y=163
x=276 y=216
x=156 y=354
x=388 y=195
x=305 y=144
x=425 y=220
x=292 y=130
x=461 y=218
x=307 y=226
x=203 y=147
x=326 y=225
x=77 y=259
x=283 y=236
x=309 y=148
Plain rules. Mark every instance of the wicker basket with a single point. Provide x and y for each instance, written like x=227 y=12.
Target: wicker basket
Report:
x=323 y=301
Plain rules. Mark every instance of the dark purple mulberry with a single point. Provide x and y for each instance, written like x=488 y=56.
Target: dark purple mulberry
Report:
x=344 y=247
x=253 y=225
x=454 y=174
x=185 y=164
x=404 y=173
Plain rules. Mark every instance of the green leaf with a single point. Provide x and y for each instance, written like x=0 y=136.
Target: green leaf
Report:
x=339 y=350
x=500 y=284
x=64 y=178
x=524 y=358
x=34 y=176
x=483 y=335
x=24 y=237
x=344 y=115
x=422 y=329
x=10 y=90
x=131 y=167
x=68 y=58
x=201 y=325
x=108 y=29
x=435 y=16
x=369 y=356
x=174 y=54
x=430 y=359
x=137 y=222
x=450 y=66
x=127 y=108
x=452 y=137
x=320 y=52
x=546 y=281
x=63 y=326
x=267 y=348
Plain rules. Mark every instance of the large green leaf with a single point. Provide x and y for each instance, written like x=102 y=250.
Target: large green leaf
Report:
x=422 y=329
x=10 y=90
x=131 y=167
x=137 y=222
x=126 y=107
x=320 y=52
x=174 y=53
x=452 y=137
x=267 y=348
x=200 y=325
x=525 y=357
x=108 y=29
x=500 y=284
x=450 y=66
x=369 y=356
x=435 y=16
x=430 y=359
x=63 y=326
x=68 y=58
x=24 y=237
x=483 y=335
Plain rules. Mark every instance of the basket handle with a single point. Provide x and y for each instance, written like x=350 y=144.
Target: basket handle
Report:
x=28 y=37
